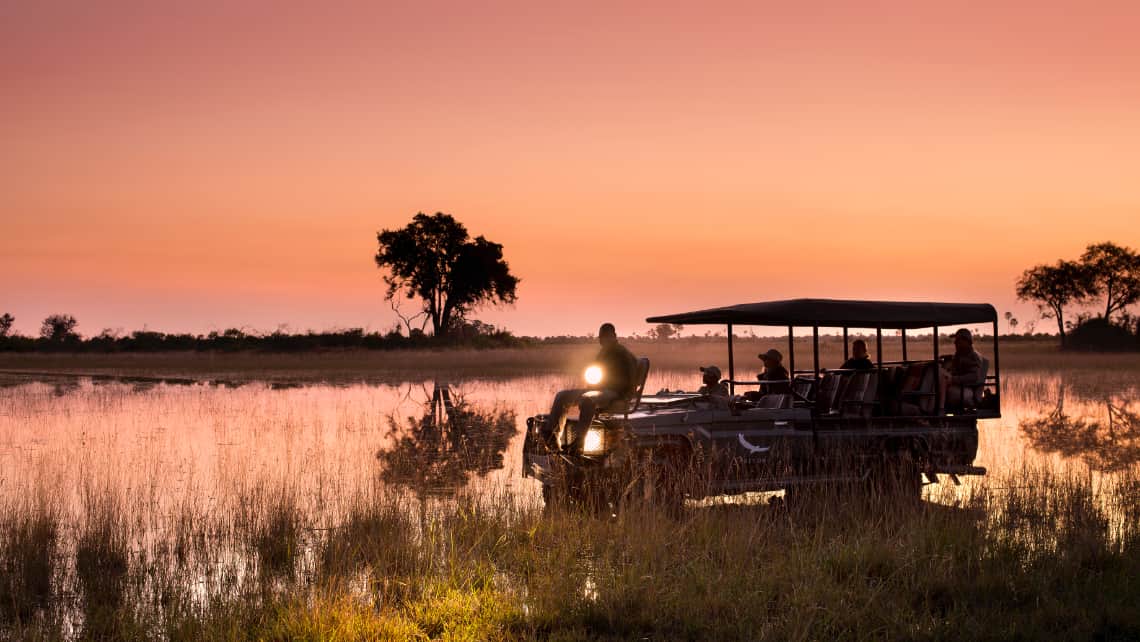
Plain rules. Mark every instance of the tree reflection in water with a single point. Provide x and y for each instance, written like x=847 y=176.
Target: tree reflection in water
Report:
x=438 y=452
x=1108 y=443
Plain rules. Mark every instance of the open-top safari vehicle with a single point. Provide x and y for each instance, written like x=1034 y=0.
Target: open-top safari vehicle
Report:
x=884 y=427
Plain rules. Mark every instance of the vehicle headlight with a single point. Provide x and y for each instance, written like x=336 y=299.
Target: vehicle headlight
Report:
x=593 y=375
x=595 y=442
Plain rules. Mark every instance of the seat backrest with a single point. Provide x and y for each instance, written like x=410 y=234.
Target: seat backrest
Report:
x=639 y=376
x=775 y=400
x=804 y=386
x=984 y=371
x=859 y=397
x=920 y=378
x=828 y=389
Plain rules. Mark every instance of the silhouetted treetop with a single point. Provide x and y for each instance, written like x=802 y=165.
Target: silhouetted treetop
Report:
x=1115 y=275
x=59 y=328
x=1055 y=287
x=6 y=321
x=434 y=258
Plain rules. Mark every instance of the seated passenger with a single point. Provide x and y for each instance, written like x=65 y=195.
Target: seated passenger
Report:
x=713 y=386
x=618 y=374
x=774 y=371
x=859 y=359
x=963 y=371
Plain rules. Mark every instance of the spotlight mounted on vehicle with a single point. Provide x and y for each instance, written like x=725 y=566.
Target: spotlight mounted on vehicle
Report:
x=593 y=375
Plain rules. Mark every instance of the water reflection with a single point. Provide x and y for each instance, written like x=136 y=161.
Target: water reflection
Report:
x=439 y=451
x=1108 y=440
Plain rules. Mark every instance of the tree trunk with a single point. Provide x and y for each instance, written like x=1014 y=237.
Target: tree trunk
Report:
x=1060 y=324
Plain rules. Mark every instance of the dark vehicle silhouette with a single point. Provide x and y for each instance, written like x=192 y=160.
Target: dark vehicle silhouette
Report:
x=886 y=425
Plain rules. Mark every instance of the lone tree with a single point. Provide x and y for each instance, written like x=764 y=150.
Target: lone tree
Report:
x=6 y=321
x=1115 y=274
x=59 y=328
x=435 y=259
x=1053 y=287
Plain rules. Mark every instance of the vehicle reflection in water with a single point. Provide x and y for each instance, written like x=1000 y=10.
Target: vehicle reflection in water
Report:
x=454 y=439
x=1107 y=440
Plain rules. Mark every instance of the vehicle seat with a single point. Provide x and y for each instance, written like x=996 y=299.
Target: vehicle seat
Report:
x=626 y=406
x=918 y=389
x=859 y=395
x=774 y=401
x=803 y=388
x=829 y=388
x=972 y=393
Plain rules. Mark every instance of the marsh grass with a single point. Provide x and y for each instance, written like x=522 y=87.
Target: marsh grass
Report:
x=29 y=551
x=1029 y=554
x=281 y=544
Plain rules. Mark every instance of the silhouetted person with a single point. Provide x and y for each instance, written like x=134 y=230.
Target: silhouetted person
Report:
x=712 y=385
x=775 y=372
x=859 y=359
x=619 y=371
x=964 y=371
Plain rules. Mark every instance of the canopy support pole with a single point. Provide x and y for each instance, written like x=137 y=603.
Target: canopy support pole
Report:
x=814 y=350
x=731 y=366
x=791 y=351
x=846 y=356
x=997 y=366
x=937 y=375
x=904 y=343
x=879 y=346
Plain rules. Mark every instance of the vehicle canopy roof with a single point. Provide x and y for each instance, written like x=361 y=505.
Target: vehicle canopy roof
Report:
x=839 y=313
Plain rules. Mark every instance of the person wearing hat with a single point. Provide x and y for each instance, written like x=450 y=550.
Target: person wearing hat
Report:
x=713 y=386
x=775 y=372
x=962 y=372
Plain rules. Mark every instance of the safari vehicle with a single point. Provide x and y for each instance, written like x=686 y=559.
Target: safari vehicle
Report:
x=834 y=426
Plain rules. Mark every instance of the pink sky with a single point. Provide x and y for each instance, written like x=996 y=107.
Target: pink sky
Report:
x=192 y=166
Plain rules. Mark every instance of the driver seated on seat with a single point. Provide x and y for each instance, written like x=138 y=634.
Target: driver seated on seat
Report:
x=617 y=383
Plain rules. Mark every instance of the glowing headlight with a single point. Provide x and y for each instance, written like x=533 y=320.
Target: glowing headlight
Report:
x=595 y=442
x=593 y=375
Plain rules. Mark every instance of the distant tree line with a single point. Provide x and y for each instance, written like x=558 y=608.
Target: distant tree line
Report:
x=1107 y=276
x=58 y=333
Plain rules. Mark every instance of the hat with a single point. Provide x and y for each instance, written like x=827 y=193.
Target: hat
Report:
x=965 y=334
x=773 y=354
x=711 y=371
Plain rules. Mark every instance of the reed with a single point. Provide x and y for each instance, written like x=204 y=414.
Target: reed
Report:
x=1033 y=553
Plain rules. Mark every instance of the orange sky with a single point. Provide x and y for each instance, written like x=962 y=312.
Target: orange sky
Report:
x=206 y=165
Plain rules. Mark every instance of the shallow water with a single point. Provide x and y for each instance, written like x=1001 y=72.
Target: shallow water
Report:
x=167 y=444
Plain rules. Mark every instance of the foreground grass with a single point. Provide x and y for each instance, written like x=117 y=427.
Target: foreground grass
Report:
x=402 y=365
x=1032 y=555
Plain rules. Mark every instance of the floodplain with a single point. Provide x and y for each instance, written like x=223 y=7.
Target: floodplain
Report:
x=251 y=496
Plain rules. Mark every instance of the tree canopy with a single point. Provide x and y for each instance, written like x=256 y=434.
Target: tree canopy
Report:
x=59 y=328
x=1115 y=274
x=1055 y=287
x=434 y=258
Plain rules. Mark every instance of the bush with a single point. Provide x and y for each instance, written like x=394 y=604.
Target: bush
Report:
x=1099 y=334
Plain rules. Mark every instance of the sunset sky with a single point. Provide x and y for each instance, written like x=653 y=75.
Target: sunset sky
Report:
x=189 y=166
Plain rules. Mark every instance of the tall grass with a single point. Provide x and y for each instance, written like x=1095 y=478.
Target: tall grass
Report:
x=204 y=514
x=1035 y=553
